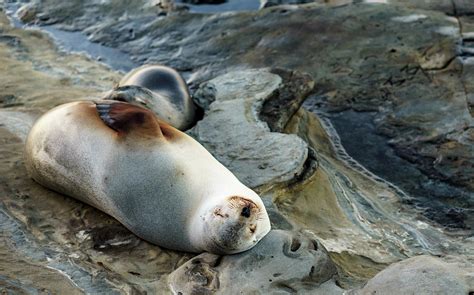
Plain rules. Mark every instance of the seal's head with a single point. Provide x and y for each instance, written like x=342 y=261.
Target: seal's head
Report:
x=234 y=225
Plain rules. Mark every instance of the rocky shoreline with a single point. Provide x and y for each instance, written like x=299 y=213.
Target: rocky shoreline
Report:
x=270 y=91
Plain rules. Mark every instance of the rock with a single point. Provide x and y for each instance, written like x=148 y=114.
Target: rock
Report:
x=232 y=129
x=166 y=5
x=17 y=123
x=259 y=84
x=270 y=3
x=28 y=12
x=463 y=7
x=283 y=262
x=113 y=237
x=450 y=7
x=198 y=2
x=277 y=110
x=421 y=275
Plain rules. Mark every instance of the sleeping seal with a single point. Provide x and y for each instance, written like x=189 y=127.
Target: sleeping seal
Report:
x=157 y=181
x=162 y=90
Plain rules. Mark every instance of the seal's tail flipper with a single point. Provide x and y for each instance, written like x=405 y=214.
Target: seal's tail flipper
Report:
x=129 y=120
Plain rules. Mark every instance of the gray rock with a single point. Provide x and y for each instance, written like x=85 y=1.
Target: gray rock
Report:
x=421 y=275
x=270 y=3
x=17 y=123
x=28 y=12
x=197 y=2
x=234 y=133
x=281 y=263
x=286 y=100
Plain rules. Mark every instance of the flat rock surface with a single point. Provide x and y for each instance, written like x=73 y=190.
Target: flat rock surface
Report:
x=421 y=275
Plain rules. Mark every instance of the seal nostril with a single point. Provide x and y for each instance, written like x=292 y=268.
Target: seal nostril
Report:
x=252 y=228
x=295 y=245
x=246 y=212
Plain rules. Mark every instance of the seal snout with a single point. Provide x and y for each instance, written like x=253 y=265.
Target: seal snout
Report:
x=235 y=224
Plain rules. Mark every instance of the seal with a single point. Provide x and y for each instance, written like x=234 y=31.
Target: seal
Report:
x=156 y=180
x=162 y=90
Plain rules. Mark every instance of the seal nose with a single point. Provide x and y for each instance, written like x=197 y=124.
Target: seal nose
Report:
x=246 y=212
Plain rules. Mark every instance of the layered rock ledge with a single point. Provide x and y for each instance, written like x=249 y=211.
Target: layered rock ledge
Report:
x=233 y=131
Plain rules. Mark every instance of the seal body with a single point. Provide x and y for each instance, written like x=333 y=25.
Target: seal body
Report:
x=157 y=181
x=162 y=90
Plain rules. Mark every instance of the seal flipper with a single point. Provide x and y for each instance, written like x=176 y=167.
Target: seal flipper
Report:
x=128 y=119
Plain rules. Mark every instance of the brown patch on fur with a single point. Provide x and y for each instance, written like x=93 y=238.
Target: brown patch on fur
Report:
x=247 y=207
x=241 y=201
x=85 y=112
x=123 y=119
x=128 y=119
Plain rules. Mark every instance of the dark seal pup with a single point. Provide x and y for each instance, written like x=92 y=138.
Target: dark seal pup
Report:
x=162 y=90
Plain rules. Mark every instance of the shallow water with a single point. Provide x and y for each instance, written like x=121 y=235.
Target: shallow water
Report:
x=230 y=5
x=77 y=42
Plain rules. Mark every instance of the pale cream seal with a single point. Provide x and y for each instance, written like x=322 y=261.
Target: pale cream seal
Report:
x=156 y=180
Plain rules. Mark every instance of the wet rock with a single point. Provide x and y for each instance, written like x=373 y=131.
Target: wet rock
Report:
x=463 y=7
x=277 y=110
x=197 y=2
x=421 y=275
x=163 y=4
x=18 y=123
x=28 y=12
x=283 y=262
x=9 y=100
x=82 y=14
x=234 y=133
x=113 y=237
x=270 y=3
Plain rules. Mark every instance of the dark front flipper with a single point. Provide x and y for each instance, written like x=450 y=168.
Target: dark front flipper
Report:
x=129 y=120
